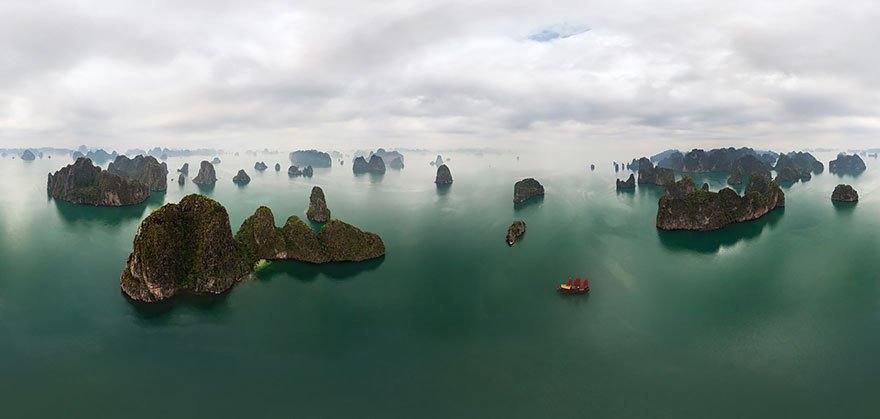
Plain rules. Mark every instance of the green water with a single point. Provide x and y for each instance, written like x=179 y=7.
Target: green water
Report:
x=774 y=318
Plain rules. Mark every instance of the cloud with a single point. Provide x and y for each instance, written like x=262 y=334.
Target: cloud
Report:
x=129 y=73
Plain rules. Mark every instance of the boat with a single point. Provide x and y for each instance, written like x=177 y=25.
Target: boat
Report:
x=577 y=286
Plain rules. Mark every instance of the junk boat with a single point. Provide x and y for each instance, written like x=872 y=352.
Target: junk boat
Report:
x=577 y=286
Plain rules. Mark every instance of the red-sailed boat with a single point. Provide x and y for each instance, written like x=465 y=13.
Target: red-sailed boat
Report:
x=577 y=286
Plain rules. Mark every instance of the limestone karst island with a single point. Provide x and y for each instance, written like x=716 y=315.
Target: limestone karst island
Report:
x=439 y=209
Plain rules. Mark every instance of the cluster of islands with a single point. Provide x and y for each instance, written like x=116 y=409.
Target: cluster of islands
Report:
x=189 y=247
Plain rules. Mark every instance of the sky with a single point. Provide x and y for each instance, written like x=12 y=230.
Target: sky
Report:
x=242 y=74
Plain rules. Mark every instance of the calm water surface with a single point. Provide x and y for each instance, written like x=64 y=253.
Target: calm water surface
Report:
x=774 y=318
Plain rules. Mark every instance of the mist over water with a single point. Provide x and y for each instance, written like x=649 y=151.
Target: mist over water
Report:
x=762 y=319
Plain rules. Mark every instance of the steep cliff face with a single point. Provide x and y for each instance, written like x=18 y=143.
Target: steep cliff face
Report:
x=318 y=211
x=185 y=247
x=84 y=183
x=847 y=165
x=444 y=176
x=684 y=207
x=746 y=166
x=527 y=189
x=629 y=183
x=207 y=175
x=146 y=170
x=796 y=166
x=648 y=174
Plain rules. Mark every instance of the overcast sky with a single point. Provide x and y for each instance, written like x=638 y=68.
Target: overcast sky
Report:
x=248 y=74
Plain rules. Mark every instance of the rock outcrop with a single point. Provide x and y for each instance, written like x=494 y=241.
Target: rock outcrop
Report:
x=318 y=211
x=847 y=165
x=294 y=171
x=396 y=164
x=260 y=166
x=84 y=183
x=184 y=170
x=630 y=183
x=844 y=193
x=592 y=167
x=745 y=166
x=438 y=161
x=796 y=166
x=28 y=155
x=207 y=175
x=185 y=247
x=527 y=189
x=181 y=179
x=701 y=161
x=648 y=174
x=215 y=160
x=308 y=171
x=336 y=242
x=393 y=159
x=314 y=158
x=375 y=165
x=444 y=176
x=146 y=170
x=515 y=231
x=277 y=167
x=241 y=178
x=684 y=207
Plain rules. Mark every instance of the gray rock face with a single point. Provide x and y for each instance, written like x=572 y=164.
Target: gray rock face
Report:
x=314 y=158
x=207 y=175
x=146 y=170
x=648 y=174
x=181 y=179
x=745 y=166
x=308 y=171
x=444 y=177
x=184 y=170
x=28 y=155
x=630 y=183
x=847 y=165
x=376 y=165
x=318 y=211
x=515 y=231
x=241 y=178
x=844 y=193
x=527 y=189
x=260 y=166
x=277 y=167
x=294 y=171
x=84 y=183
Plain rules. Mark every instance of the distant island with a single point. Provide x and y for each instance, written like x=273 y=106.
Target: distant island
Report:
x=84 y=183
x=314 y=158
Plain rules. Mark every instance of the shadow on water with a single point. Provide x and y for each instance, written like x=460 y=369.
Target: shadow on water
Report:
x=206 y=189
x=531 y=202
x=443 y=189
x=112 y=216
x=310 y=271
x=157 y=314
x=844 y=208
x=713 y=241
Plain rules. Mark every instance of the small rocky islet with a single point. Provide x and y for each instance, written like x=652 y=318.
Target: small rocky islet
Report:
x=844 y=193
x=189 y=248
x=847 y=164
x=527 y=189
x=318 y=211
x=260 y=166
x=444 y=176
x=375 y=166
x=515 y=232
x=241 y=178
x=207 y=175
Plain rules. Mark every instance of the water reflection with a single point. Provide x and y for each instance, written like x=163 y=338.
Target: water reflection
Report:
x=844 y=208
x=443 y=189
x=713 y=241
x=206 y=189
x=156 y=314
x=310 y=271
x=111 y=216
x=533 y=201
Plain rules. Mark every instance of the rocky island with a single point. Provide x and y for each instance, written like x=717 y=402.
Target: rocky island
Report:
x=648 y=174
x=375 y=165
x=745 y=166
x=189 y=248
x=314 y=158
x=393 y=159
x=84 y=183
x=277 y=167
x=444 y=176
x=796 y=166
x=260 y=166
x=181 y=179
x=241 y=178
x=184 y=170
x=715 y=160
x=28 y=155
x=527 y=189
x=308 y=171
x=318 y=211
x=515 y=231
x=146 y=170
x=847 y=165
x=844 y=193
x=207 y=176
x=629 y=183
x=684 y=207
x=215 y=160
